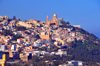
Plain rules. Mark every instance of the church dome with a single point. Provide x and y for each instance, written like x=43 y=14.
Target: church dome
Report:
x=54 y=14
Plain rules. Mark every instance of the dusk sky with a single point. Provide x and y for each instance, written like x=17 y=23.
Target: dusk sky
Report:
x=78 y=12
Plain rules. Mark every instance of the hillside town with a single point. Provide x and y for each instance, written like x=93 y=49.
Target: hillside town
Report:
x=20 y=40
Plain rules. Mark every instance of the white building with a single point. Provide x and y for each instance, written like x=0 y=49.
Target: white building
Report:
x=3 y=47
x=13 y=47
x=60 y=52
x=79 y=26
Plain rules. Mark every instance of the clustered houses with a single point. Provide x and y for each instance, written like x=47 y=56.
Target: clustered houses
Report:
x=37 y=34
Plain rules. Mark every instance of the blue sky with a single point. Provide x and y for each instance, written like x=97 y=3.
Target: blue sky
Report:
x=78 y=12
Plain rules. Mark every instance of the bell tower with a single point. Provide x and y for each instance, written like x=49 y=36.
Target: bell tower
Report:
x=47 y=20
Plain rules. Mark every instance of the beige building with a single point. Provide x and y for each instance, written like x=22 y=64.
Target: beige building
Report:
x=25 y=56
x=45 y=35
x=33 y=22
x=3 y=17
x=69 y=39
x=20 y=23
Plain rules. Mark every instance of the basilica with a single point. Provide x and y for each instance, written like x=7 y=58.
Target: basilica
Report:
x=55 y=20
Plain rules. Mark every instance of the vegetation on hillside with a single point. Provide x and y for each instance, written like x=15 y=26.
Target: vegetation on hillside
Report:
x=9 y=32
x=20 y=28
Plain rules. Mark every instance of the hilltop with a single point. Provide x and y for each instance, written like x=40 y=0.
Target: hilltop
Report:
x=54 y=39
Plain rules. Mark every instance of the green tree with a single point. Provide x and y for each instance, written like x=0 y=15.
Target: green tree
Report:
x=26 y=64
x=8 y=64
x=68 y=22
x=20 y=50
x=14 y=17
